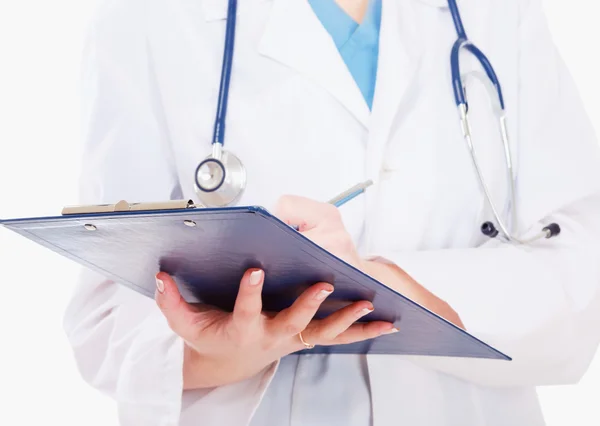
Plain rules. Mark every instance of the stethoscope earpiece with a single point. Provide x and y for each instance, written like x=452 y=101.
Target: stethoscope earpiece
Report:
x=552 y=230
x=489 y=230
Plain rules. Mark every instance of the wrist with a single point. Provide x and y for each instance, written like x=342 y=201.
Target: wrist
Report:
x=192 y=369
x=202 y=371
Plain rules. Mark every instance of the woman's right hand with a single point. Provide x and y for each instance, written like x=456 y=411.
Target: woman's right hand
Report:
x=223 y=348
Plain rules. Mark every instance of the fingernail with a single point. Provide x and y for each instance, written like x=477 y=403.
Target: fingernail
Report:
x=323 y=294
x=256 y=277
x=160 y=286
x=391 y=331
x=365 y=311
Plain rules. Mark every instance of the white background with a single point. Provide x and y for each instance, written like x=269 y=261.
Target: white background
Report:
x=40 y=44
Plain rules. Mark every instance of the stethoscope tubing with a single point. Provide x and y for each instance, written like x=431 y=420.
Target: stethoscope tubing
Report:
x=462 y=43
x=495 y=90
x=456 y=18
x=457 y=84
x=226 y=70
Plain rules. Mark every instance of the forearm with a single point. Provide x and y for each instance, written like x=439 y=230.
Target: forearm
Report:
x=398 y=280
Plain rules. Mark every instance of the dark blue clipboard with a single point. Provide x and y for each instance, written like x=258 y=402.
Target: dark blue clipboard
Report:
x=208 y=250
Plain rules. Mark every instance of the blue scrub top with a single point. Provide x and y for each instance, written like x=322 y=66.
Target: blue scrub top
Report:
x=358 y=44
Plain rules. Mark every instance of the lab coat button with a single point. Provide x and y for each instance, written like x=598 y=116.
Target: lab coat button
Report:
x=384 y=172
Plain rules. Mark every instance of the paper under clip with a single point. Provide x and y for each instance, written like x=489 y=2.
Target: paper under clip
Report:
x=124 y=206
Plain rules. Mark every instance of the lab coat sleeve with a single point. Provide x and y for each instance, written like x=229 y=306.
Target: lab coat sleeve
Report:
x=539 y=304
x=121 y=341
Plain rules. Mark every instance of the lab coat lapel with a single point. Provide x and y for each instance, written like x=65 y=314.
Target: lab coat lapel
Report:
x=295 y=37
x=399 y=53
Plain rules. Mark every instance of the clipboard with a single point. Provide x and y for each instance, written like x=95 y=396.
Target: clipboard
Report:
x=207 y=250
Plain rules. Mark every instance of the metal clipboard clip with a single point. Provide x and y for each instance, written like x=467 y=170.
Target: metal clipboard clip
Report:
x=124 y=206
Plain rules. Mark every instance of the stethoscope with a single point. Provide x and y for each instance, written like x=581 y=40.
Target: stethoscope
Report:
x=220 y=179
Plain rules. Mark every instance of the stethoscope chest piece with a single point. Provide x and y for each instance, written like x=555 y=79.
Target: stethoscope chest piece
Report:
x=220 y=178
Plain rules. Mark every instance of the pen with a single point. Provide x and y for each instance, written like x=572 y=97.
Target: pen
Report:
x=349 y=194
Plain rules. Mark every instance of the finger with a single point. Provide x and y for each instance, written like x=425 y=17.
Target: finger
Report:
x=294 y=319
x=305 y=213
x=364 y=331
x=177 y=311
x=248 y=304
x=329 y=328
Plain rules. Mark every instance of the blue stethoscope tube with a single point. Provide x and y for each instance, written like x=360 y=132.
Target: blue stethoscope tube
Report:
x=459 y=92
x=219 y=129
x=456 y=18
x=464 y=43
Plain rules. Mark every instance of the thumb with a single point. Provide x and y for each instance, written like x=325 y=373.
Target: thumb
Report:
x=177 y=311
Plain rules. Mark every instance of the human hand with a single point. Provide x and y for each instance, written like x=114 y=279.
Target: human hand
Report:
x=223 y=347
x=322 y=224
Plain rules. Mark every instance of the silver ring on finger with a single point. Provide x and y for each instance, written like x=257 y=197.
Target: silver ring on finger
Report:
x=304 y=342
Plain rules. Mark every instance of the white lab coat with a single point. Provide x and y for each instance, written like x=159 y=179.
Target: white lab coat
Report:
x=300 y=125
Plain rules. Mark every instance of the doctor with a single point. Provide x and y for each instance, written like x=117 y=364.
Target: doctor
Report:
x=309 y=119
